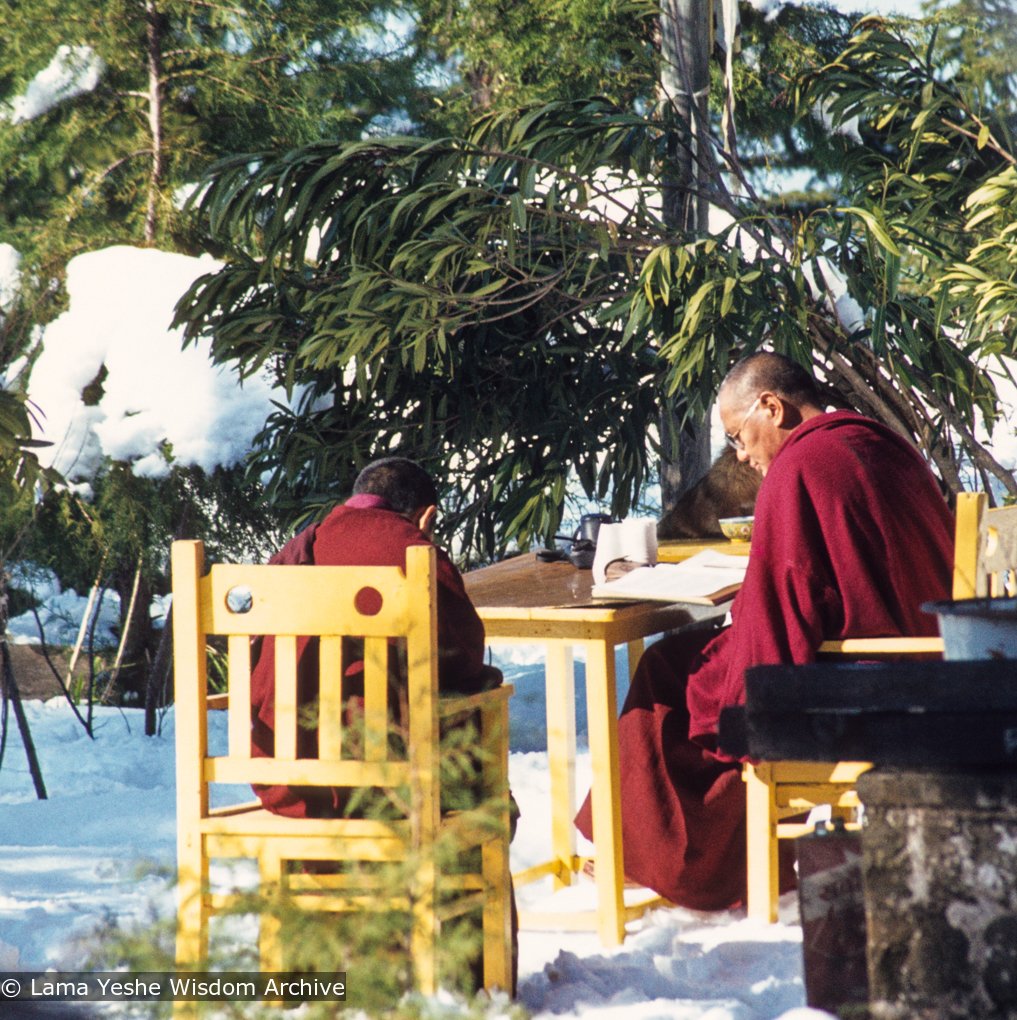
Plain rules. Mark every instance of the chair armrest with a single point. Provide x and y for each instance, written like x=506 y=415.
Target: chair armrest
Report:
x=458 y=704
x=857 y=647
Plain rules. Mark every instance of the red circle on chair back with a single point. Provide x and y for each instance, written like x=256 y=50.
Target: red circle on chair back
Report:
x=367 y=602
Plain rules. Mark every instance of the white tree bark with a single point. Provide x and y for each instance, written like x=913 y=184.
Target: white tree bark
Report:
x=685 y=38
x=155 y=176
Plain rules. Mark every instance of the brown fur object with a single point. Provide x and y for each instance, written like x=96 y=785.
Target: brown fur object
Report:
x=728 y=489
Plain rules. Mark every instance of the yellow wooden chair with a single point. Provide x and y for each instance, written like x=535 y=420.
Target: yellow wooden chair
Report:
x=243 y=601
x=985 y=561
x=985 y=554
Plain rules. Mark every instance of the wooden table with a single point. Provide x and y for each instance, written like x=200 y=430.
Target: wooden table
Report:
x=526 y=600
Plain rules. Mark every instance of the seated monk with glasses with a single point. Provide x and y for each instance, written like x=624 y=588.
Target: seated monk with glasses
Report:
x=851 y=536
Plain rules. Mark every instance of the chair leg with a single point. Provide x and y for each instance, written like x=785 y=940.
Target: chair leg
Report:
x=192 y=917
x=192 y=914
x=424 y=936
x=761 y=844
x=560 y=695
x=269 y=928
x=495 y=854
x=497 y=915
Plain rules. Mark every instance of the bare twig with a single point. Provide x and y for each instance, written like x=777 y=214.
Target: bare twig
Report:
x=44 y=649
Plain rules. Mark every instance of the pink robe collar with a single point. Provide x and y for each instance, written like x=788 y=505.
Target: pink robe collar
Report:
x=368 y=501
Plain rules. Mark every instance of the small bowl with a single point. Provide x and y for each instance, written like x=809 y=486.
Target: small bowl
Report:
x=737 y=529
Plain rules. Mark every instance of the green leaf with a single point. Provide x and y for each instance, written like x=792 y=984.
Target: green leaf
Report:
x=874 y=226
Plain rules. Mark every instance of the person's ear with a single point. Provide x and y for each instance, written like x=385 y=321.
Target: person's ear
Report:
x=774 y=407
x=426 y=520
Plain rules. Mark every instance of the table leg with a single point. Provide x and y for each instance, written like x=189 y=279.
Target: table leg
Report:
x=635 y=654
x=560 y=692
x=602 y=716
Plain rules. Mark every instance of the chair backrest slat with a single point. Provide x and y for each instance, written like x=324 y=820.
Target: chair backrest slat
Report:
x=986 y=554
x=1000 y=550
x=330 y=698
x=376 y=709
x=286 y=709
x=966 y=559
x=238 y=650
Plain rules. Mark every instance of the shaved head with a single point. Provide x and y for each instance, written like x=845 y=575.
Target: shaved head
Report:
x=774 y=372
x=403 y=483
x=762 y=400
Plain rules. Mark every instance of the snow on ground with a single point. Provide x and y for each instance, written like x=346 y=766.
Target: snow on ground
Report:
x=61 y=612
x=103 y=844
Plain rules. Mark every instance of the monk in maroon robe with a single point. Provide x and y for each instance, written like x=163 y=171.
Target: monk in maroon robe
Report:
x=393 y=508
x=851 y=536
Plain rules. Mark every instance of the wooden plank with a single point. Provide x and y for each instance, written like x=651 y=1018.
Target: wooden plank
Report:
x=376 y=717
x=287 y=716
x=999 y=552
x=538 y=871
x=875 y=648
x=900 y=738
x=617 y=625
x=763 y=873
x=239 y=684
x=968 y=578
x=451 y=705
x=605 y=790
x=300 y=599
x=190 y=681
x=306 y=772
x=299 y=847
x=330 y=698
x=526 y=582
x=560 y=709
x=898 y=686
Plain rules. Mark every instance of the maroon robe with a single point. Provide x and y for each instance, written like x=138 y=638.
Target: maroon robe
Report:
x=851 y=536
x=363 y=532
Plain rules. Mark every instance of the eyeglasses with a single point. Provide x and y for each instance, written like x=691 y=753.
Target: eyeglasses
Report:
x=734 y=438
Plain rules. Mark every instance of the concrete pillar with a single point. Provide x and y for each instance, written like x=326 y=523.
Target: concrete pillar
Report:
x=940 y=879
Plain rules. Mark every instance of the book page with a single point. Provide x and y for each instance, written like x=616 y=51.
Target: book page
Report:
x=709 y=576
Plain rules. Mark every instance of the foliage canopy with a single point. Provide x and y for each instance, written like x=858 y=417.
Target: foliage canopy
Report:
x=511 y=305
x=164 y=87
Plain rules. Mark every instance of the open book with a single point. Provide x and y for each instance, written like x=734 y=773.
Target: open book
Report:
x=708 y=578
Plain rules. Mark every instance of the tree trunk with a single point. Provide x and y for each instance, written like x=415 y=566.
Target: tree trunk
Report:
x=157 y=690
x=481 y=82
x=684 y=90
x=154 y=42
x=9 y=695
x=131 y=678
x=685 y=87
x=683 y=460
